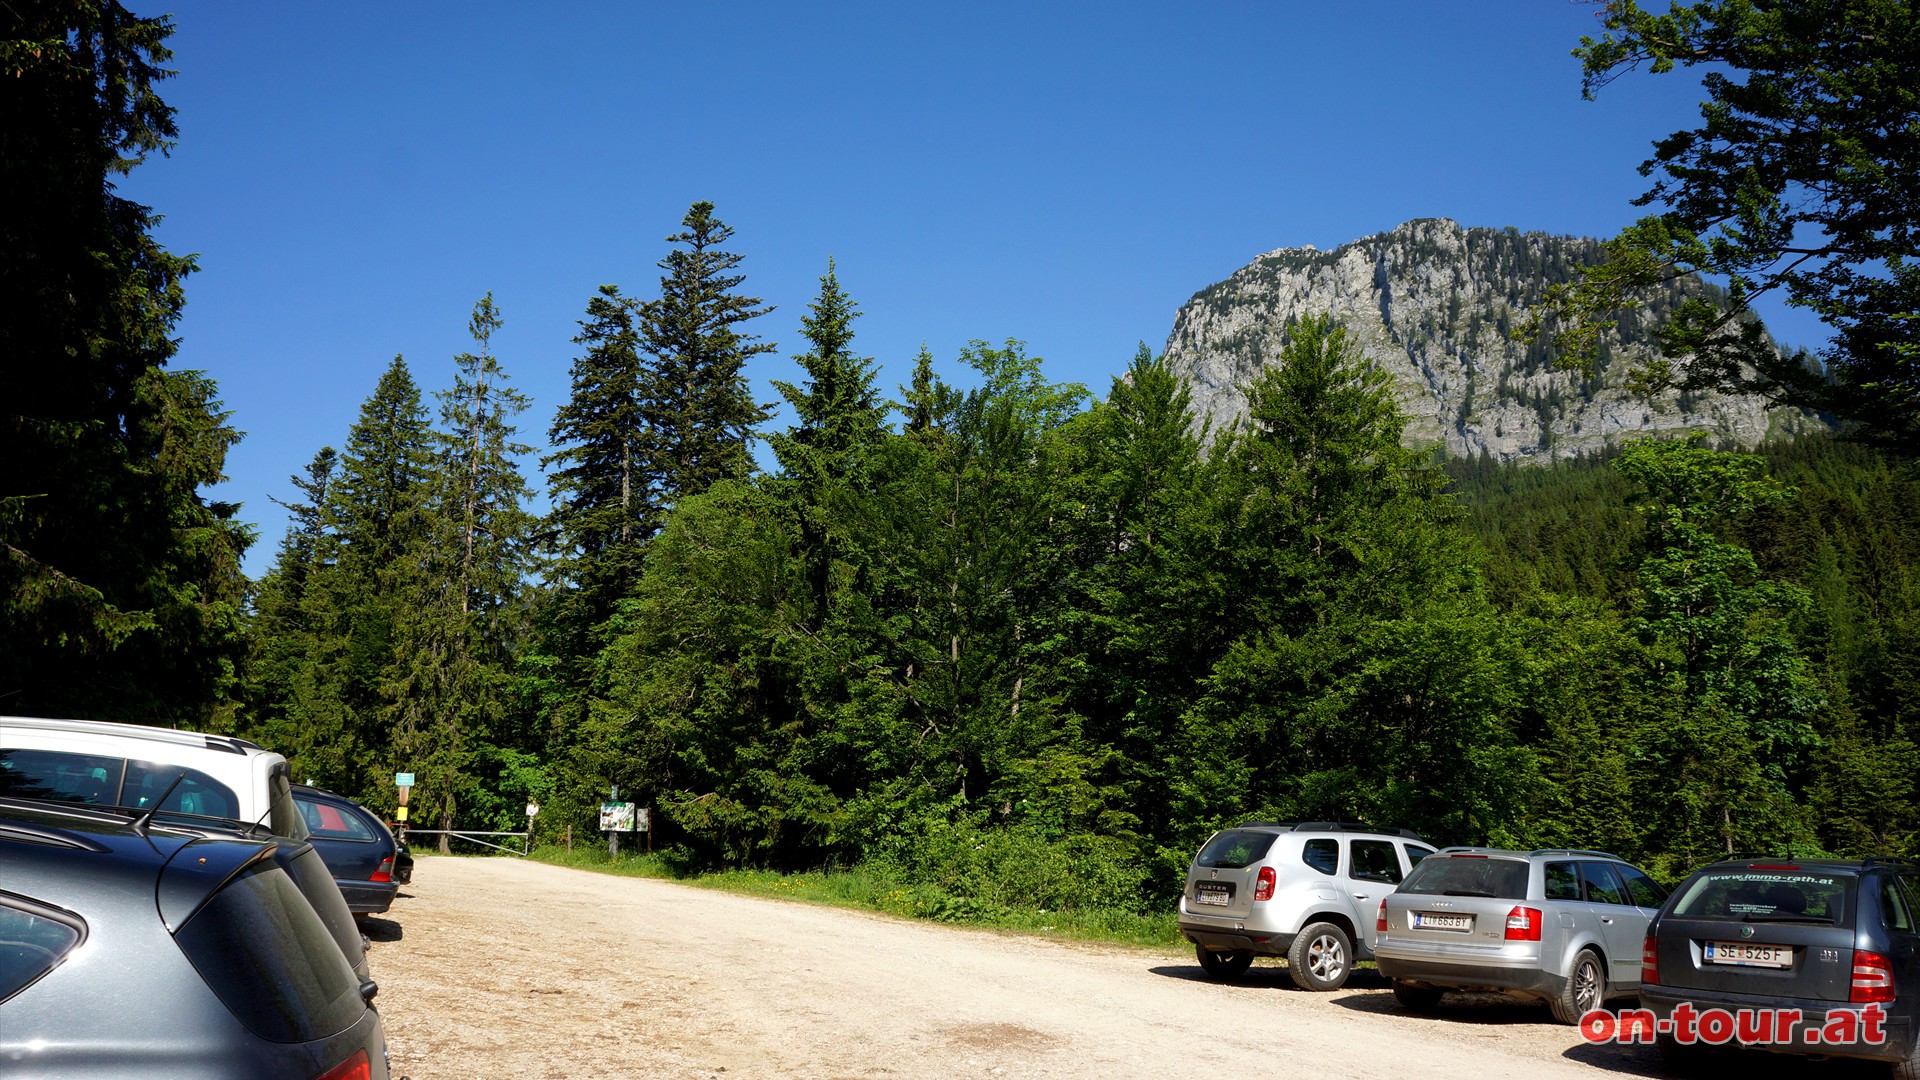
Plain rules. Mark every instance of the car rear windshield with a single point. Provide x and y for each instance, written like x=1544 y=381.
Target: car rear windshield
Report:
x=268 y=957
x=333 y=822
x=1769 y=895
x=1468 y=875
x=1235 y=849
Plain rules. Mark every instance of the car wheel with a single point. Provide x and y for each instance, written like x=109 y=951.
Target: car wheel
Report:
x=1223 y=965
x=1908 y=1069
x=1420 y=999
x=1586 y=989
x=1321 y=958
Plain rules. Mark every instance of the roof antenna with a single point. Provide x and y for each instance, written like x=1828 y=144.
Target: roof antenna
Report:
x=145 y=819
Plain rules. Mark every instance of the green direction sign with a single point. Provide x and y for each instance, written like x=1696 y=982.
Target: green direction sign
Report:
x=403 y=779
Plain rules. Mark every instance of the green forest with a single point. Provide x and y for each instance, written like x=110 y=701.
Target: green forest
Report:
x=978 y=629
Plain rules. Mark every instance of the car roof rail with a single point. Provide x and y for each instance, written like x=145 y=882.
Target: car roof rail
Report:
x=1265 y=825
x=1355 y=826
x=1891 y=860
x=132 y=814
x=35 y=833
x=1576 y=851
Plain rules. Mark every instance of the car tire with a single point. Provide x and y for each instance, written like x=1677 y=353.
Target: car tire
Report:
x=1585 y=989
x=1321 y=958
x=1908 y=1069
x=1223 y=965
x=1418 y=999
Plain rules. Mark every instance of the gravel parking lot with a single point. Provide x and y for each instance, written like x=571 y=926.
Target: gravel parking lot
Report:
x=495 y=967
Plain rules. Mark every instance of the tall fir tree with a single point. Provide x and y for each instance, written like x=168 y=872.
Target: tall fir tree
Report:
x=120 y=586
x=463 y=614
x=699 y=402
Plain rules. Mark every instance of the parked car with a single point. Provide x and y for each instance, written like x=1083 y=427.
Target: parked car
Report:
x=96 y=761
x=1555 y=925
x=1305 y=891
x=297 y=858
x=129 y=950
x=1828 y=938
x=358 y=848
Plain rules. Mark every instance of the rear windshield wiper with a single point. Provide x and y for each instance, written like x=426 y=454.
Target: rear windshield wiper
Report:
x=1468 y=892
x=1784 y=916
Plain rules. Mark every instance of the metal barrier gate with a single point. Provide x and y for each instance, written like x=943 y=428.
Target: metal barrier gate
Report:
x=471 y=837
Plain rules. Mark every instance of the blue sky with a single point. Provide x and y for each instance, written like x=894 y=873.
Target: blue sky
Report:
x=355 y=176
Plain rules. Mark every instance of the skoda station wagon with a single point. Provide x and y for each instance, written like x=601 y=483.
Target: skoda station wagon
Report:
x=1824 y=942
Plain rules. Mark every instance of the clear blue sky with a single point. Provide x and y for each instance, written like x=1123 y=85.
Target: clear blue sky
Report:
x=355 y=176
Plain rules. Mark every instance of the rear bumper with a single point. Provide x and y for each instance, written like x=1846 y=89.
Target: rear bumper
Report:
x=1228 y=935
x=1806 y=1036
x=367 y=897
x=1429 y=966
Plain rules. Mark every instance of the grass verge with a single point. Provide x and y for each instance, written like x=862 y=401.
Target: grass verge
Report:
x=867 y=889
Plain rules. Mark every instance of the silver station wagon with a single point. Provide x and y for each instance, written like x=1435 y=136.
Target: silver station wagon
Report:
x=1561 y=926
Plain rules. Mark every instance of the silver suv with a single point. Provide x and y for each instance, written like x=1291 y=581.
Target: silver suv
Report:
x=1556 y=925
x=1306 y=891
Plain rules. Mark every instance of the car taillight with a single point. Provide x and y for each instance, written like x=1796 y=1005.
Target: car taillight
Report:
x=1872 y=977
x=356 y=1067
x=1380 y=923
x=1523 y=924
x=385 y=871
x=1263 y=886
x=1650 y=962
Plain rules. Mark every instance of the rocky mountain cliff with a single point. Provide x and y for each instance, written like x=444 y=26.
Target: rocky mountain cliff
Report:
x=1435 y=304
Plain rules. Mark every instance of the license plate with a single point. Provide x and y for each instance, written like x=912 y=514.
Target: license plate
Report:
x=1216 y=895
x=1745 y=955
x=1433 y=920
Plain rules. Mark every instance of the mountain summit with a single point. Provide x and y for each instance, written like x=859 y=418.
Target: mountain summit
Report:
x=1435 y=305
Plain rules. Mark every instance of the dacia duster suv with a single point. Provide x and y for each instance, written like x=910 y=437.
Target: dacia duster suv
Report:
x=1306 y=891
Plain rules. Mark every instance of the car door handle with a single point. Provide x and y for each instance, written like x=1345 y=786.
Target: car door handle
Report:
x=1361 y=896
x=1608 y=919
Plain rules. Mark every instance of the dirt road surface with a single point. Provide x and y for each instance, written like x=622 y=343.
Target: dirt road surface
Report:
x=498 y=967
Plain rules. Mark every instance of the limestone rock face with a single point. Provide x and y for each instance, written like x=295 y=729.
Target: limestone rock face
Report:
x=1435 y=304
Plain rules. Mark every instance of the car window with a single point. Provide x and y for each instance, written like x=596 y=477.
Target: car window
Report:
x=1235 y=849
x=1599 y=884
x=60 y=776
x=266 y=954
x=330 y=821
x=1641 y=889
x=1763 y=894
x=196 y=792
x=1322 y=854
x=1894 y=905
x=1415 y=853
x=1373 y=860
x=1563 y=882
x=1469 y=875
x=31 y=943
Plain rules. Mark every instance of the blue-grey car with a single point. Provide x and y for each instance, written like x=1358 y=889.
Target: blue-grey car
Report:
x=357 y=847
x=132 y=950
x=1798 y=956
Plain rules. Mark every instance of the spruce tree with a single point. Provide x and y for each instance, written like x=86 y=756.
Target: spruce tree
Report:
x=120 y=586
x=461 y=618
x=605 y=505
x=699 y=402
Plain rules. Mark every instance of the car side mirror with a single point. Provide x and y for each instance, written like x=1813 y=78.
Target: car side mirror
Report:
x=368 y=989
